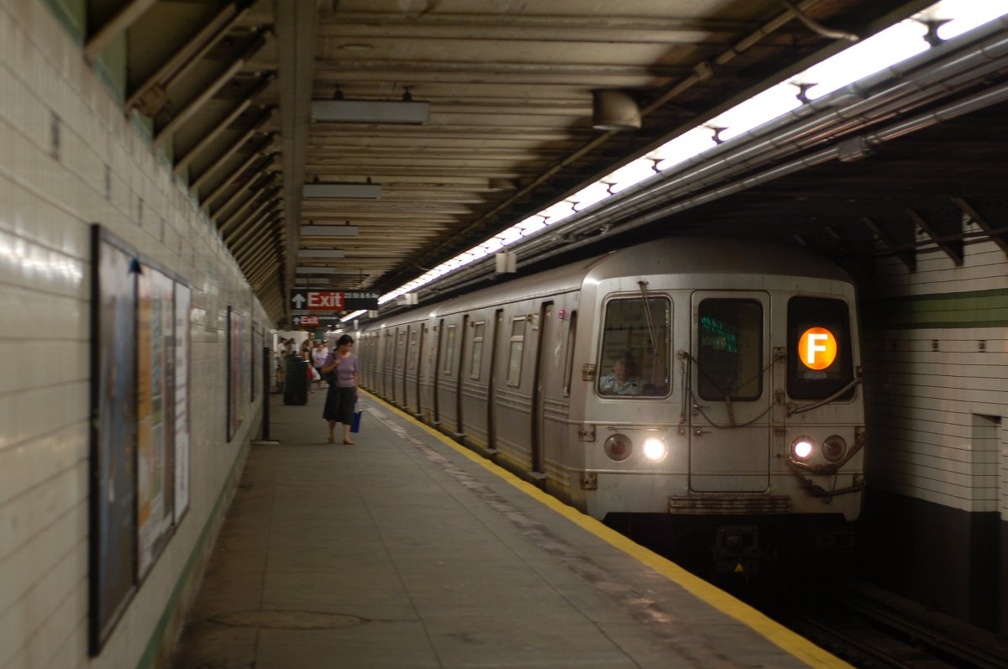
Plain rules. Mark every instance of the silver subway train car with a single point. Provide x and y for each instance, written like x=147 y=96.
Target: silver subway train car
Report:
x=712 y=382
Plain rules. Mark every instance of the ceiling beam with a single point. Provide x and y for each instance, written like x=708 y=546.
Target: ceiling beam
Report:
x=296 y=28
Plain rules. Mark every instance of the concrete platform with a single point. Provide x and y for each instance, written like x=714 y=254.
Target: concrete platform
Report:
x=406 y=550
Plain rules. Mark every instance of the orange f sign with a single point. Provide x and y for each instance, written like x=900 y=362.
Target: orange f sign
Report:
x=817 y=348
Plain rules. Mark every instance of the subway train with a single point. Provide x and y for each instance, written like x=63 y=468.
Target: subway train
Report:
x=711 y=383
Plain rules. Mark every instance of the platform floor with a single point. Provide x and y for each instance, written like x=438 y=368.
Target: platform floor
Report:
x=408 y=551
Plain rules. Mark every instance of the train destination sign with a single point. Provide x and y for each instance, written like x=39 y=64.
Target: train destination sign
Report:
x=818 y=348
x=303 y=299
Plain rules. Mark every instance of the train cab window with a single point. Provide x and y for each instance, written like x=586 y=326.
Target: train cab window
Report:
x=820 y=362
x=476 y=361
x=516 y=347
x=636 y=340
x=730 y=351
x=449 y=350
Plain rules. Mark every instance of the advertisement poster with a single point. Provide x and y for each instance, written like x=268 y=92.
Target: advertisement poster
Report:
x=183 y=300
x=238 y=373
x=113 y=434
x=155 y=405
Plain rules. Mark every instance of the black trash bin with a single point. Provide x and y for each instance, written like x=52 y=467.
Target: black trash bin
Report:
x=296 y=381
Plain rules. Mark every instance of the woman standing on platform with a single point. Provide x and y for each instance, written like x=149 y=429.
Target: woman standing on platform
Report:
x=342 y=395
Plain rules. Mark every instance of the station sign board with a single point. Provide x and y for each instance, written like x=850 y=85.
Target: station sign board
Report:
x=303 y=299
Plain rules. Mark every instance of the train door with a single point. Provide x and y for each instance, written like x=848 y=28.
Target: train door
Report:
x=458 y=381
x=388 y=364
x=410 y=372
x=542 y=379
x=731 y=392
x=421 y=331
x=492 y=381
x=438 y=342
x=401 y=349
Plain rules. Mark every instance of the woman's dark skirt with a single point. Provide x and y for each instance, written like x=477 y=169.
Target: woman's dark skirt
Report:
x=339 y=405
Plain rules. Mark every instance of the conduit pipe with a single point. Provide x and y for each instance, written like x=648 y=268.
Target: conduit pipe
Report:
x=781 y=138
x=682 y=196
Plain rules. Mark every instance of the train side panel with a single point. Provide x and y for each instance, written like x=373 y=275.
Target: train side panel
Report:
x=721 y=424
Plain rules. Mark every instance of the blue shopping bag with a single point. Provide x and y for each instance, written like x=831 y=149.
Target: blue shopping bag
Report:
x=355 y=426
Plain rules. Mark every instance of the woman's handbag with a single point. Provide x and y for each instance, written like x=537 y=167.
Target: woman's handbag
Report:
x=355 y=426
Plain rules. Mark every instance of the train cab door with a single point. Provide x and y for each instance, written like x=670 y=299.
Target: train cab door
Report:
x=731 y=392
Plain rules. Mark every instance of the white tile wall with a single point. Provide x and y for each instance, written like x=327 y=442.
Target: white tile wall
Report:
x=923 y=402
x=47 y=203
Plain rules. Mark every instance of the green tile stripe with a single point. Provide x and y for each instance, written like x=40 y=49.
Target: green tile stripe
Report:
x=975 y=309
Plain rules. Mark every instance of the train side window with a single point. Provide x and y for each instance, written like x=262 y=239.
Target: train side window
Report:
x=449 y=350
x=476 y=361
x=413 y=338
x=636 y=340
x=820 y=362
x=569 y=360
x=401 y=349
x=516 y=347
x=389 y=350
x=730 y=352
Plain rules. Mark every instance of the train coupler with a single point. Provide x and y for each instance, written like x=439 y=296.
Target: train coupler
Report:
x=736 y=550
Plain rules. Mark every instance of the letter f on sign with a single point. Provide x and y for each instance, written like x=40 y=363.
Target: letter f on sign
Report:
x=817 y=348
x=814 y=347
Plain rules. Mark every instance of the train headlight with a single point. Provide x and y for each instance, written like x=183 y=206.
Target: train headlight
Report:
x=834 y=448
x=655 y=449
x=802 y=448
x=618 y=447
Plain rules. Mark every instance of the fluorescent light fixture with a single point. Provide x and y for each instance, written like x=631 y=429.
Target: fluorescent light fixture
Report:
x=630 y=174
x=586 y=197
x=343 y=191
x=756 y=111
x=530 y=225
x=684 y=147
x=329 y=231
x=370 y=111
x=320 y=253
x=966 y=15
x=889 y=47
x=558 y=212
x=317 y=270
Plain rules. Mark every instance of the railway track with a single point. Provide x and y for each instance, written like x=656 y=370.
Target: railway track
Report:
x=870 y=628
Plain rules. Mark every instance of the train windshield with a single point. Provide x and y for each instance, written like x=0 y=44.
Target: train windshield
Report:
x=636 y=341
x=820 y=362
x=730 y=354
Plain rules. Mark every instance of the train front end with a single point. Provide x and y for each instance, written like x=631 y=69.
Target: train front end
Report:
x=729 y=404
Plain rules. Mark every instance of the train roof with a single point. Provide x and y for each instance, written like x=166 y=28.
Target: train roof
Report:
x=674 y=256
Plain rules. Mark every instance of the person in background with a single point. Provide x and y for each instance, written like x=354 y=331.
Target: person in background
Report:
x=287 y=347
x=319 y=356
x=342 y=394
x=622 y=380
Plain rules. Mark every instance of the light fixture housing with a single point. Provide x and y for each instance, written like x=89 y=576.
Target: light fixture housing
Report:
x=329 y=231
x=614 y=110
x=802 y=448
x=618 y=447
x=317 y=270
x=371 y=111
x=346 y=191
x=321 y=253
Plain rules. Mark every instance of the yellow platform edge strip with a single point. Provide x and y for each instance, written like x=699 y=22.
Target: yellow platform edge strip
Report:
x=796 y=645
